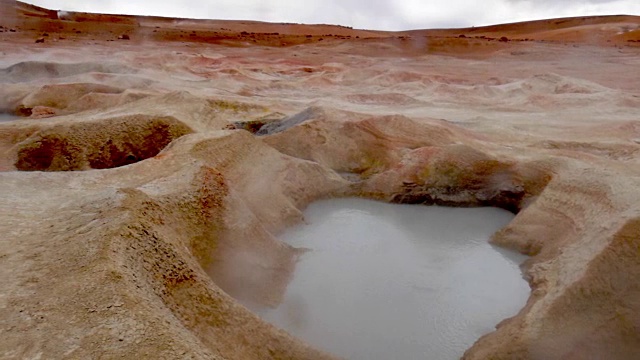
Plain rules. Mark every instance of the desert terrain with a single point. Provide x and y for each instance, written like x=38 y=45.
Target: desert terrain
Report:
x=147 y=165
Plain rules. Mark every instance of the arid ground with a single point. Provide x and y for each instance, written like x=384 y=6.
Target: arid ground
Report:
x=149 y=163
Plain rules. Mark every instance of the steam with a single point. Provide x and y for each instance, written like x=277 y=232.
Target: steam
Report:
x=64 y=15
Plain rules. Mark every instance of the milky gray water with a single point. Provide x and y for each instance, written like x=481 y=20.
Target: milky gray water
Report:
x=387 y=281
x=8 y=117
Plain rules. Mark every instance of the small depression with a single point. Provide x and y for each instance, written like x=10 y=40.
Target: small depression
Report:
x=386 y=281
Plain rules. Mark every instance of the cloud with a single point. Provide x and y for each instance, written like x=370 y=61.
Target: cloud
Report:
x=564 y=2
x=371 y=14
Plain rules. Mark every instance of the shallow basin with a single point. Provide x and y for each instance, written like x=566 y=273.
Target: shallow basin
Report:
x=384 y=281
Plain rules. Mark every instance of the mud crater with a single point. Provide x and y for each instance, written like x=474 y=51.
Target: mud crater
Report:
x=102 y=144
x=383 y=281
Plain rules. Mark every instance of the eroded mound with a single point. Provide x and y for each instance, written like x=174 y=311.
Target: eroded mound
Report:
x=98 y=145
x=404 y=161
x=365 y=145
x=33 y=70
x=61 y=96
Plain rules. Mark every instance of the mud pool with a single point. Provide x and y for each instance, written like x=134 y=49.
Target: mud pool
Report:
x=385 y=281
x=8 y=117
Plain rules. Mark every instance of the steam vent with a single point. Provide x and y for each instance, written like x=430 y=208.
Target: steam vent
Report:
x=149 y=167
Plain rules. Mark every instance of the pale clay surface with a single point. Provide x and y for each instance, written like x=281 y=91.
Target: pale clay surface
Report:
x=147 y=209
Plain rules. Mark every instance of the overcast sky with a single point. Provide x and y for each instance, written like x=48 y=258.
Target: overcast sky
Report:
x=364 y=14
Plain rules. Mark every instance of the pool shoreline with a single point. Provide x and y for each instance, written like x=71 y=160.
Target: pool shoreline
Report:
x=340 y=302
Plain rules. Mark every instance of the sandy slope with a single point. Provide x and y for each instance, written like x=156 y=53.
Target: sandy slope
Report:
x=135 y=208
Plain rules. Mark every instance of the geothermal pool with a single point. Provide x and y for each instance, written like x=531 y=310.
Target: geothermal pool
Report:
x=8 y=117
x=384 y=281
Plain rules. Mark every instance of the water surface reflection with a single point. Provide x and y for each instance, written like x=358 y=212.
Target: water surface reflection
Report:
x=387 y=281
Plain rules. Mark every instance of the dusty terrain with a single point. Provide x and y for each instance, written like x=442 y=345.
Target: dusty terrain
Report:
x=136 y=206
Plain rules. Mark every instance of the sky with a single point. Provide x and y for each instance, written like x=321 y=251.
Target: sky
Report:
x=362 y=14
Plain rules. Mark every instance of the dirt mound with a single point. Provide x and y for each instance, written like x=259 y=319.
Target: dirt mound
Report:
x=33 y=70
x=96 y=100
x=97 y=145
x=558 y=84
x=157 y=235
x=586 y=29
x=541 y=91
x=610 y=278
x=614 y=151
x=288 y=122
x=456 y=175
x=61 y=96
x=362 y=147
x=381 y=99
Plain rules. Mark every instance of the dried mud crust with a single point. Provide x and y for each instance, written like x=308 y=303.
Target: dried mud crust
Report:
x=459 y=175
x=98 y=145
x=35 y=70
x=402 y=161
x=163 y=249
x=170 y=241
